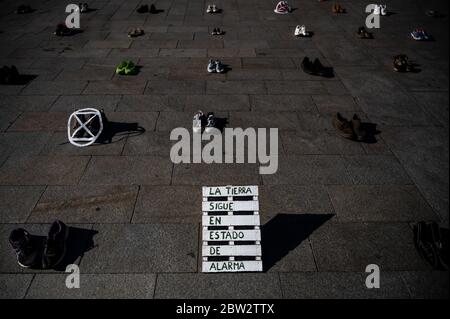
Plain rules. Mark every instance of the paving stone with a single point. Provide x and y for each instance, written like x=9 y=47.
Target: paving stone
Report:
x=128 y=170
x=54 y=87
x=309 y=169
x=335 y=103
x=268 y=103
x=436 y=103
x=248 y=74
x=280 y=120
x=22 y=143
x=388 y=245
x=14 y=286
x=102 y=44
x=17 y=202
x=216 y=103
x=7 y=119
x=175 y=87
x=119 y=86
x=295 y=87
x=145 y=103
x=149 y=143
x=85 y=204
x=156 y=204
x=267 y=63
x=133 y=53
x=143 y=248
x=376 y=170
x=66 y=103
x=154 y=44
x=232 y=52
x=379 y=203
x=40 y=121
x=235 y=87
x=427 y=284
x=337 y=285
x=42 y=170
x=104 y=286
x=223 y=286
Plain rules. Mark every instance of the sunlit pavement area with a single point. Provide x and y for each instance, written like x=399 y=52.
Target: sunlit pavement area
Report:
x=334 y=206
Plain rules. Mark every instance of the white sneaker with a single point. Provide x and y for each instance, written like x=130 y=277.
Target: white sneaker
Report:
x=383 y=9
x=300 y=31
x=197 y=122
x=211 y=123
x=297 y=31
x=219 y=67
x=377 y=9
x=211 y=66
x=209 y=9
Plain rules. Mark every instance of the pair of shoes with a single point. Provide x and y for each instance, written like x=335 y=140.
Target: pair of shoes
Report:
x=62 y=30
x=401 y=64
x=337 y=8
x=126 y=68
x=28 y=250
x=313 y=68
x=420 y=34
x=432 y=13
x=23 y=9
x=135 y=32
x=146 y=9
x=300 y=31
x=282 y=8
x=431 y=245
x=363 y=34
x=201 y=120
x=212 y=8
x=215 y=67
x=380 y=9
x=9 y=75
x=216 y=31
x=83 y=7
x=349 y=129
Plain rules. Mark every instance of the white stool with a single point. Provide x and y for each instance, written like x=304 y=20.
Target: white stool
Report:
x=73 y=132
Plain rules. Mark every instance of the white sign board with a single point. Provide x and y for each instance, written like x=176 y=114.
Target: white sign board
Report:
x=231 y=229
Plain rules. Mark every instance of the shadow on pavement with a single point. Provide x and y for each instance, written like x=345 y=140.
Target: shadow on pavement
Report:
x=285 y=232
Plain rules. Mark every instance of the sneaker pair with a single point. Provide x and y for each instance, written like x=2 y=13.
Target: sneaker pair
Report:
x=313 y=68
x=216 y=31
x=126 y=68
x=62 y=30
x=201 y=120
x=380 y=9
x=23 y=9
x=9 y=75
x=430 y=243
x=337 y=8
x=135 y=32
x=401 y=64
x=212 y=9
x=420 y=35
x=282 y=8
x=215 y=67
x=83 y=7
x=146 y=9
x=300 y=31
x=363 y=34
x=29 y=251
x=349 y=129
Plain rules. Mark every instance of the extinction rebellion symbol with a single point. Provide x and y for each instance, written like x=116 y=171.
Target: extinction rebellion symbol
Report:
x=231 y=229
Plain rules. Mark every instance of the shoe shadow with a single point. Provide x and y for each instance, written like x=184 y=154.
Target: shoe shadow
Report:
x=24 y=79
x=371 y=132
x=221 y=123
x=328 y=72
x=285 y=232
x=78 y=242
x=123 y=130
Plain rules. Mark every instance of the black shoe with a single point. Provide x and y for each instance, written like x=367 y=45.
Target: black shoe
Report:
x=440 y=244
x=9 y=75
x=142 y=9
x=25 y=247
x=307 y=66
x=153 y=9
x=422 y=241
x=319 y=69
x=62 y=30
x=55 y=245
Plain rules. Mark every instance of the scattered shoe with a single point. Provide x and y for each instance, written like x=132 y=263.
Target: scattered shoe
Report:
x=209 y=9
x=55 y=245
x=126 y=68
x=83 y=7
x=220 y=68
x=9 y=75
x=215 y=67
x=343 y=126
x=432 y=13
x=23 y=9
x=363 y=34
x=282 y=8
x=153 y=9
x=383 y=9
x=62 y=30
x=337 y=8
x=211 y=66
x=197 y=123
x=431 y=244
x=212 y=9
x=357 y=128
x=135 y=32
x=401 y=64
x=25 y=247
x=143 y=9
x=210 y=123
x=300 y=31
x=420 y=35
x=216 y=31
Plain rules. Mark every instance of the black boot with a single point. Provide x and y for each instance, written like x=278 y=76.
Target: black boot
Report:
x=25 y=246
x=55 y=245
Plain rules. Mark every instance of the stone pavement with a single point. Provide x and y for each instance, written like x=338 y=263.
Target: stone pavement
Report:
x=333 y=207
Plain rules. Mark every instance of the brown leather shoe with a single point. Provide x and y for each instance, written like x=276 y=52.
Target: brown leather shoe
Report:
x=343 y=126
x=357 y=128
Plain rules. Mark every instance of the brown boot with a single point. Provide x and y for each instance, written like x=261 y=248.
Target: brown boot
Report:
x=357 y=128
x=343 y=127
